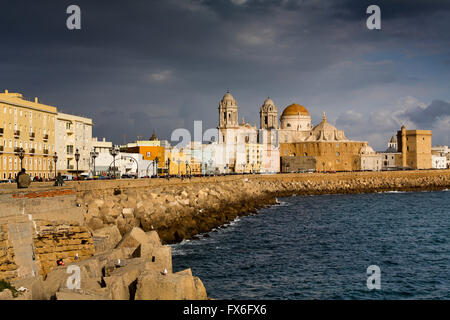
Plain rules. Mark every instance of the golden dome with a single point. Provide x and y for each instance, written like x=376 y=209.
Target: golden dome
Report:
x=294 y=110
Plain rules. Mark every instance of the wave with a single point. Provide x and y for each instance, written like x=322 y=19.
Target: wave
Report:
x=393 y=191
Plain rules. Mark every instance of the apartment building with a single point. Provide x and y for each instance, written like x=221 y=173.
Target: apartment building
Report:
x=27 y=130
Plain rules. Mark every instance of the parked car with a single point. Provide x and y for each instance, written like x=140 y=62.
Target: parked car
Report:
x=67 y=177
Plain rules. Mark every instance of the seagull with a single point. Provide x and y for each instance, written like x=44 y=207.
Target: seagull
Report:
x=164 y=272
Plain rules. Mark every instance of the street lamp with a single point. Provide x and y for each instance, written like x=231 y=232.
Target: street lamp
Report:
x=21 y=156
x=77 y=158
x=188 y=166
x=156 y=169
x=55 y=159
x=93 y=156
x=168 y=167
x=114 y=151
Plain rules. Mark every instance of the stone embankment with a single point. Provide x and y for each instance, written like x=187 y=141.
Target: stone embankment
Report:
x=182 y=209
x=115 y=231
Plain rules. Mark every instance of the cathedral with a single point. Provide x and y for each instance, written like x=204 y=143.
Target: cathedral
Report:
x=288 y=144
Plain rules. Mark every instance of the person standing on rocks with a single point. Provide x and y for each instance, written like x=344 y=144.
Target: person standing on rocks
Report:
x=59 y=180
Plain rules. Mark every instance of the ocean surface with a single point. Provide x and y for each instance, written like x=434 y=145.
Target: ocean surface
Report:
x=319 y=247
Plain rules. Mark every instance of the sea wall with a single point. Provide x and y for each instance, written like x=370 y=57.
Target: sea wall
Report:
x=180 y=209
x=97 y=224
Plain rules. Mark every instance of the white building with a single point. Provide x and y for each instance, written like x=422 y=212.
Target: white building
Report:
x=391 y=158
x=103 y=159
x=243 y=147
x=442 y=151
x=134 y=164
x=438 y=162
x=73 y=133
x=370 y=160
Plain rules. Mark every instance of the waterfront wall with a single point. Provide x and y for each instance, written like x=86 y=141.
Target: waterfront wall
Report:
x=180 y=209
x=95 y=220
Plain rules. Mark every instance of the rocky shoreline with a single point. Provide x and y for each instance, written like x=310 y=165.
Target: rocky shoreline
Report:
x=181 y=210
x=115 y=231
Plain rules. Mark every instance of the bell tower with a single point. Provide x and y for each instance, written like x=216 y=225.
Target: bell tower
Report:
x=228 y=112
x=268 y=115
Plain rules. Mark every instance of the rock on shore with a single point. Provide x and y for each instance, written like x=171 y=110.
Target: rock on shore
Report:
x=139 y=267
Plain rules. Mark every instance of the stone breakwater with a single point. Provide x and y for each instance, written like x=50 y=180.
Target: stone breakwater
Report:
x=180 y=210
x=115 y=231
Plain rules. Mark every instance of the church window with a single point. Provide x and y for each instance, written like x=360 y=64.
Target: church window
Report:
x=224 y=116
x=265 y=120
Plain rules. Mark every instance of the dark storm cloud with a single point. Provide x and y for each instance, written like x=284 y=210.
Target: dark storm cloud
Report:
x=427 y=117
x=145 y=65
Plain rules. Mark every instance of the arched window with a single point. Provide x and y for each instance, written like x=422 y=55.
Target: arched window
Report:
x=288 y=125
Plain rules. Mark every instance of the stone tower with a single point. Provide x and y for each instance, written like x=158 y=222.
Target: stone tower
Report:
x=228 y=112
x=403 y=145
x=268 y=115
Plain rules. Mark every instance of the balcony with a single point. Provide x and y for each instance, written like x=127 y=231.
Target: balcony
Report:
x=45 y=152
x=16 y=134
x=32 y=151
x=45 y=137
x=69 y=130
x=32 y=135
x=17 y=150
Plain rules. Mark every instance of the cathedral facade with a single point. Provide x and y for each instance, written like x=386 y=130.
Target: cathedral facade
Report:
x=288 y=144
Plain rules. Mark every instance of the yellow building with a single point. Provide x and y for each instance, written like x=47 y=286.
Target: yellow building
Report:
x=177 y=162
x=253 y=157
x=321 y=155
x=150 y=150
x=325 y=148
x=415 y=146
x=29 y=125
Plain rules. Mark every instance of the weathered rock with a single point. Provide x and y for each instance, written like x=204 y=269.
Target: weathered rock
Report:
x=81 y=295
x=128 y=213
x=6 y=295
x=159 y=256
x=133 y=238
x=110 y=235
x=172 y=286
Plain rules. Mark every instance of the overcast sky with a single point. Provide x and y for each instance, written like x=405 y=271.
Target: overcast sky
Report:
x=138 y=66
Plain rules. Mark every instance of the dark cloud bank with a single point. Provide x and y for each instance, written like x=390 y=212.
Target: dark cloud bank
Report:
x=141 y=66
